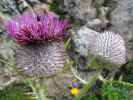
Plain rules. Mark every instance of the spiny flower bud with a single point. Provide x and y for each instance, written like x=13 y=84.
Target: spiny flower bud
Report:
x=110 y=46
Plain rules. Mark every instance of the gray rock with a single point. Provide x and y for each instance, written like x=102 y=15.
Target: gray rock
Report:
x=90 y=12
x=122 y=22
x=6 y=60
x=6 y=51
x=80 y=9
x=83 y=39
x=9 y=8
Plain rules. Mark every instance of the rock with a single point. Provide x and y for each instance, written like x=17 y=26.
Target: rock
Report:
x=89 y=12
x=7 y=77
x=80 y=9
x=122 y=22
x=9 y=8
x=94 y=23
x=56 y=84
x=83 y=39
x=6 y=51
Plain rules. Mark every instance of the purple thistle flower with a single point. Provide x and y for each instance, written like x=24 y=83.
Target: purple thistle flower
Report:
x=49 y=56
x=36 y=28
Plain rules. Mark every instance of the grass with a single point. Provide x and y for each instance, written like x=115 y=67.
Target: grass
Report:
x=129 y=76
x=111 y=91
x=15 y=92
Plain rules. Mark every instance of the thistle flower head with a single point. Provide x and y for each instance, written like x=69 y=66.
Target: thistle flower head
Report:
x=36 y=27
x=46 y=58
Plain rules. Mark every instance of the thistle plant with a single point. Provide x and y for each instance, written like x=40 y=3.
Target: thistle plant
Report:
x=108 y=51
x=39 y=49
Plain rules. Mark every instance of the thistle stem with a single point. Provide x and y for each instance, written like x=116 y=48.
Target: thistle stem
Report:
x=38 y=89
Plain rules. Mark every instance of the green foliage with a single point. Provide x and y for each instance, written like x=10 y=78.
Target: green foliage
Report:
x=90 y=97
x=129 y=76
x=14 y=92
x=116 y=92
x=54 y=6
x=23 y=92
x=111 y=91
x=67 y=44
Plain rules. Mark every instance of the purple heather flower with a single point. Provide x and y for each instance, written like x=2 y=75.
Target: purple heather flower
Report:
x=36 y=28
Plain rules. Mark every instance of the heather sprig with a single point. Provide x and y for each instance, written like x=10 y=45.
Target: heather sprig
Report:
x=36 y=27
